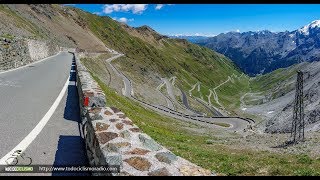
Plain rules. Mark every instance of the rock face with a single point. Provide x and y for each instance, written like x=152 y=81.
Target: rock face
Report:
x=13 y=52
x=278 y=111
x=265 y=51
x=41 y=49
x=282 y=122
x=16 y=52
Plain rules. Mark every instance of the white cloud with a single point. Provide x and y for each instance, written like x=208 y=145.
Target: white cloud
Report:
x=123 y=19
x=134 y=8
x=238 y=30
x=98 y=13
x=159 y=6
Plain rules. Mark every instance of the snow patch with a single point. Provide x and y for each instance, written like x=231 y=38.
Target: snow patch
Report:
x=305 y=29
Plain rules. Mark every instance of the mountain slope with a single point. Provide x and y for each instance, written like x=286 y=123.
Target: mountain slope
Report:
x=57 y=24
x=272 y=96
x=265 y=51
x=151 y=56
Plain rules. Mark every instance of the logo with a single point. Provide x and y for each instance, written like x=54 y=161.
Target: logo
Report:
x=18 y=158
x=19 y=169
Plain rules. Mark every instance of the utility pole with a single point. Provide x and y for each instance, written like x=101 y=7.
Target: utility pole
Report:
x=297 y=129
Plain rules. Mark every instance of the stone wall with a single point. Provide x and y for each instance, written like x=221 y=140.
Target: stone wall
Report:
x=41 y=49
x=16 y=52
x=112 y=138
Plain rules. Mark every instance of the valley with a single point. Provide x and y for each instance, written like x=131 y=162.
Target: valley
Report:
x=202 y=104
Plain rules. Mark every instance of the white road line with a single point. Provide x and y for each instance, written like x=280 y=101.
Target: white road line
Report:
x=35 y=132
x=30 y=63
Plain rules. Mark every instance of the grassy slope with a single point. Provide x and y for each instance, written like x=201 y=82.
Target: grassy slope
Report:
x=268 y=81
x=190 y=63
x=273 y=84
x=200 y=148
x=20 y=22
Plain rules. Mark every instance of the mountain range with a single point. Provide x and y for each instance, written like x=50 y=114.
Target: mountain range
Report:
x=265 y=51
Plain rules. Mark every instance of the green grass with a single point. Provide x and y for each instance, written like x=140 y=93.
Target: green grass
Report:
x=202 y=149
x=267 y=81
x=7 y=36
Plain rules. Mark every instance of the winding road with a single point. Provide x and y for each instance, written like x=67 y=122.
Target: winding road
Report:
x=236 y=123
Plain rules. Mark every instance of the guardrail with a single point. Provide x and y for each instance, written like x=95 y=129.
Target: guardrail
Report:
x=195 y=116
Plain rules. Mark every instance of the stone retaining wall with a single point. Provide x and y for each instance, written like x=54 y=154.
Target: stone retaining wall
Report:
x=112 y=138
x=16 y=52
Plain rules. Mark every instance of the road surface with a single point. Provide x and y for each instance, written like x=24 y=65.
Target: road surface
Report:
x=28 y=96
x=186 y=103
x=213 y=110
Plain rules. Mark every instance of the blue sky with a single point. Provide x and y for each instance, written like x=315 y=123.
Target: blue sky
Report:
x=210 y=19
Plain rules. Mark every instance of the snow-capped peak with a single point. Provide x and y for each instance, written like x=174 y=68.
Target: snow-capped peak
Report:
x=305 y=29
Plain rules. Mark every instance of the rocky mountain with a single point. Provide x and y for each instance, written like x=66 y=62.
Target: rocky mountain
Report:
x=264 y=51
x=272 y=97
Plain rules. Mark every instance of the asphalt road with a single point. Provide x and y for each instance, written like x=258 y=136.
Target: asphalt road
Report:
x=213 y=111
x=26 y=96
x=186 y=103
